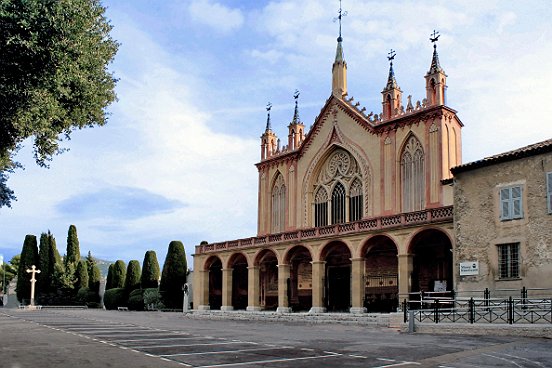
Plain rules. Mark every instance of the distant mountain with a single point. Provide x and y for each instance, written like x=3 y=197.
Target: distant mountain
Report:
x=103 y=265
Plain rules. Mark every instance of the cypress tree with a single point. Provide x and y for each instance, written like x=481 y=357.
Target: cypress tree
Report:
x=82 y=275
x=150 y=271
x=93 y=273
x=174 y=275
x=29 y=257
x=119 y=274
x=73 y=249
x=109 y=278
x=132 y=280
x=44 y=253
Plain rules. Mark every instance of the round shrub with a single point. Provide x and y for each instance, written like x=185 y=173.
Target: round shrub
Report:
x=88 y=297
x=114 y=298
x=136 y=300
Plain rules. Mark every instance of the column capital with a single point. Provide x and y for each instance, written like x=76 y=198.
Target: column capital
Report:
x=318 y=262
x=253 y=268
x=360 y=259
x=283 y=265
x=227 y=269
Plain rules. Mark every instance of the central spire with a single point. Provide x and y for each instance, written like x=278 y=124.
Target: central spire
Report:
x=391 y=81
x=339 y=69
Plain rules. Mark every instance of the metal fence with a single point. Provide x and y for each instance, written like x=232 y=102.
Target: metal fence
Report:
x=525 y=308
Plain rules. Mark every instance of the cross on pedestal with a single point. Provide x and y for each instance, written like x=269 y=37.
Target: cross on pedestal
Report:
x=34 y=271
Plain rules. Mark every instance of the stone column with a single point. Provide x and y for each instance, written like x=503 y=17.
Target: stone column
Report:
x=318 y=272
x=283 y=276
x=253 y=289
x=406 y=265
x=227 y=289
x=201 y=296
x=358 y=285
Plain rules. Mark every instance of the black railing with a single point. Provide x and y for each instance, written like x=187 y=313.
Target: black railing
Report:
x=510 y=310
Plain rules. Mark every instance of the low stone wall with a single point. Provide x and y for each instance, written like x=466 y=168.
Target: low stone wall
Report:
x=368 y=319
x=479 y=329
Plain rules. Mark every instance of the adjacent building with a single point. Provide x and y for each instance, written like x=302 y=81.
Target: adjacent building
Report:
x=503 y=220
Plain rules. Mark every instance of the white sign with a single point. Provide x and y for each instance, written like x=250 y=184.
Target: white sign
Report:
x=469 y=268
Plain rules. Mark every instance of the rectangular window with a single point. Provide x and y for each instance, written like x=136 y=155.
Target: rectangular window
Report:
x=511 y=204
x=549 y=191
x=508 y=261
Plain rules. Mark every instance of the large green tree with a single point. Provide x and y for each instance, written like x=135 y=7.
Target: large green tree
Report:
x=48 y=258
x=29 y=257
x=54 y=76
x=118 y=274
x=150 y=271
x=174 y=274
x=132 y=280
x=94 y=274
x=10 y=270
x=82 y=275
x=73 y=248
x=109 y=278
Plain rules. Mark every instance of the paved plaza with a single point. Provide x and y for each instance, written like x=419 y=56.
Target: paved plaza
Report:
x=96 y=338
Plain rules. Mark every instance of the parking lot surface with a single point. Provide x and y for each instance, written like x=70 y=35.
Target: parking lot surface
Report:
x=96 y=338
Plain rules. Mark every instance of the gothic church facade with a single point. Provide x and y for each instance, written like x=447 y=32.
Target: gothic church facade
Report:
x=353 y=215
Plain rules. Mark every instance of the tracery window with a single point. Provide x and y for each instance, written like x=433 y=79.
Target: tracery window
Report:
x=278 y=204
x=321 y=208
x=338 y=193
x=338 y=204
x=355 y=201
x=412 y=176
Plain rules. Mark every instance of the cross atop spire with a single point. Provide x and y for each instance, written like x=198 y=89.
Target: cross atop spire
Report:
x=296 y=113
x=268 y=125
x=435 y=66
x=391 y=82
x=339 y=17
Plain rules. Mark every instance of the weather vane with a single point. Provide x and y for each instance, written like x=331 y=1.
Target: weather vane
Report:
x=392 y=55
x=434 y=37
x=339 y=17
x=296 y=94
x=268 y=107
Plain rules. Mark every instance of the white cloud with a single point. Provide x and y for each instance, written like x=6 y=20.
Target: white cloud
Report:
x=215 y=15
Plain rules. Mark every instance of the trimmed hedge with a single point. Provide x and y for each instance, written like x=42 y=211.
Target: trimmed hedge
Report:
x=136 y=300
x=88 y=297
x=114 y=298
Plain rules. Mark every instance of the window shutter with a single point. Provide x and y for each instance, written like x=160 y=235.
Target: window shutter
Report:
x=549 y=191
x=517 y=208
x=505 y=204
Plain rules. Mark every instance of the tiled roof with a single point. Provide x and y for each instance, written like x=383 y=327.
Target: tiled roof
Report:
x=531 y=150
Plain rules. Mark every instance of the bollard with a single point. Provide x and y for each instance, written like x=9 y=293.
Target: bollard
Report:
x=411 y=322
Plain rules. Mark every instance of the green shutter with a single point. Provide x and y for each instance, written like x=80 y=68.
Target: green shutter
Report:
x=549 y=191
x=505 y=204
x=517 y=205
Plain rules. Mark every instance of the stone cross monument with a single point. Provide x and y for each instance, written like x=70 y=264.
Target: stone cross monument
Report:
x=34 y=271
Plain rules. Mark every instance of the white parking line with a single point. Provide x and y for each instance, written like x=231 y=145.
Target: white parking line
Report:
x=269 y=361
x=125 y=329
x=164 y=338
x=181 y=345
x=397 y=364
x=224 y=351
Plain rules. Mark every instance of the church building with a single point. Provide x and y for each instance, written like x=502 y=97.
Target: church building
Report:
x=354 y=214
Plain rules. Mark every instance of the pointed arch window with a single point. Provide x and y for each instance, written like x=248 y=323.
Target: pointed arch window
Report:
x=278 y=204
x=412 y=176
x=355 y=201
x=338 y=204
x=321 y=207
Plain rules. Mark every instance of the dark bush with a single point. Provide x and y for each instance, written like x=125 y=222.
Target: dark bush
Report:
x=114 y=298
x=136 y=300
x=88 y=297
x=152 y=299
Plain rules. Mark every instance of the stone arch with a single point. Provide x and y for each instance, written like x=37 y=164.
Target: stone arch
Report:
x=239 y=264
x=381 y=275
x=213 y=264
x=337 y=255
x=431 y=249
x=299 y=259
x=267 y=262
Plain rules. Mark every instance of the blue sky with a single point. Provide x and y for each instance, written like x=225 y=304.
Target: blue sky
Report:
x=176 y=160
